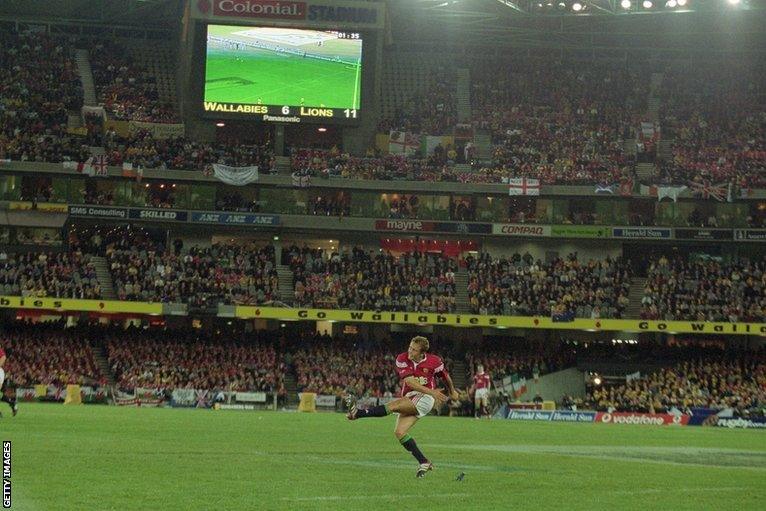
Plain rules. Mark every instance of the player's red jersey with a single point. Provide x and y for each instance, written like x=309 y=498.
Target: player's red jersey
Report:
x=2 y=352
x=425 y=371
x=481 y=381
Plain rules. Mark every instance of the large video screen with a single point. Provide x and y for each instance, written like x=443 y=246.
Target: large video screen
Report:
x=283 y=74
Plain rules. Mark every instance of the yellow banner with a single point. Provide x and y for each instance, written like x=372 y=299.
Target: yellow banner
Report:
x=381 y=142
x=77 y=131
x=48 y=207
x=64 y=304
x=475 y=320
x=120 y=127
x=73 y=395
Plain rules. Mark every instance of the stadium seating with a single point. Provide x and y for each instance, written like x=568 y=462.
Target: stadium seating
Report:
x=418 y=94
x=735 y=382
x=126 y=88
x=705 y=290
x=49 y=354
x=49 y=274
x=502 y=357
x=367 y=281
x=336 y=367
x=202 y=277
x=175 y=359
x=560 y=123
x=714 y=114
x=39 y=85
x=562 y=288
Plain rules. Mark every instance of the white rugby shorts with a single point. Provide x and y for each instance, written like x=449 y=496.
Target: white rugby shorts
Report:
x=424 y=403
x=482 y=393
x=2 y=377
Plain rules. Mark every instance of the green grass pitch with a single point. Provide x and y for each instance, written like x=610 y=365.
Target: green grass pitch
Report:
x=99 y=457
x=254 y=75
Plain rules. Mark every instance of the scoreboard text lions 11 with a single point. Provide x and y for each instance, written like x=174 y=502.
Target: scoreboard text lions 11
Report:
x=283 y=74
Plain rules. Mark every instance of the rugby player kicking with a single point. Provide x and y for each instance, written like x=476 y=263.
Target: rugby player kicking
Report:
x=417 y=371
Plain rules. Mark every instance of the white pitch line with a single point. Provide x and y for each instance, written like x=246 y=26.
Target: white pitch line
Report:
x=367 y=497
x=356 y=82
x=665 y=491
x=602 y=453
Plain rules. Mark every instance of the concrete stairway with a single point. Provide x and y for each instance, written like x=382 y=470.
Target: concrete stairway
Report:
x=483 y=141
x=653 y=108
x=459 y=374
x=286 y=290
x=86 y=77
x=633 y=310
x=665 y=151
x=653 y=102
x=291 y=387
x=646 y=171
x=102 y=361
x=462 y=305
x=629 y=146
x=104 y=277
x=283 y=165
x=463 y=95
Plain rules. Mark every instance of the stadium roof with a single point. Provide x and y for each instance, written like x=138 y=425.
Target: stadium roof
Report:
x=140 y=13
x=602 y=27
x=707 y=26
x=549 y=8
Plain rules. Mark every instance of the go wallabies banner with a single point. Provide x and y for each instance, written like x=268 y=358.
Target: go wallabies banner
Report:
x=475 y=320
x=65 y=304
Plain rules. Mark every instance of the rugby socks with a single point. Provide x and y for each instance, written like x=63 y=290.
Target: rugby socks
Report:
x=409 y=443
x=375 y=411
x=11 y=402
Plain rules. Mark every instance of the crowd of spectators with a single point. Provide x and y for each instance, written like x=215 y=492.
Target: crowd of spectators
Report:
x=432 y=110
x=340 y=368
x=126 y=88
x=527 y=358
x=717 y=114
x=142 y=149
x=48 y=354
x=169 y=359
x=563 y=288
x=332 y=163
x=735 y=382
x=362 y=280
x=705 y=290
x=49 y=274
x=39 y=85
x=200 y=277
x=559 y=123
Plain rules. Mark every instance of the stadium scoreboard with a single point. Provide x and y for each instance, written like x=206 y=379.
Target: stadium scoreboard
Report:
x=286 y=75
x=284 y=113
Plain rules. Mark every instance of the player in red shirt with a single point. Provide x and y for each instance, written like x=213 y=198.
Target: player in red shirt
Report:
x=481 y=385
x=417 y=369
x=8 y=394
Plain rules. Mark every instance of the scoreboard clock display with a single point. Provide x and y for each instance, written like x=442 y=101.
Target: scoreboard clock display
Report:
x=283 y=74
